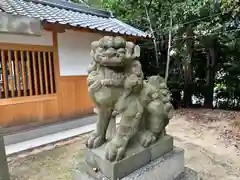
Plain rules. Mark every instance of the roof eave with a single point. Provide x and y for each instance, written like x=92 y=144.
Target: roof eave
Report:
x=63 y=27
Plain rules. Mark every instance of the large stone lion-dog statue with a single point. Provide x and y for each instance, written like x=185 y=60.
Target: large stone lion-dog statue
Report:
x=116 y=84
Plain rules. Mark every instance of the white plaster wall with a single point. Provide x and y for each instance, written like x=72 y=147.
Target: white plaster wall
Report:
x=44 y=39
x=74 y=52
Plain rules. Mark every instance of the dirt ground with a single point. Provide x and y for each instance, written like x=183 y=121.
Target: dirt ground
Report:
x=208 y=137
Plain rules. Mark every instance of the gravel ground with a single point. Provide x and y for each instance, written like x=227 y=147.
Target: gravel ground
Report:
x=206 y=152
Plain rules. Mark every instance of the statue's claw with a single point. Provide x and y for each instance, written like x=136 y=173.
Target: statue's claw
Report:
x=95 y=141
x=115 y=150
x=146 y=138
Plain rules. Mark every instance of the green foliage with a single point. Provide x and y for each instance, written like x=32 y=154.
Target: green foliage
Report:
x=205 y=39
x=232 y=6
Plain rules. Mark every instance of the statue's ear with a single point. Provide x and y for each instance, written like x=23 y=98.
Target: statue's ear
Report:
x=136 y=53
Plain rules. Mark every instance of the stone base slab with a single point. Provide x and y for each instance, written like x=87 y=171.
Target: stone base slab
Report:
x=168 y=167
x=4 y=174
x=135 y=158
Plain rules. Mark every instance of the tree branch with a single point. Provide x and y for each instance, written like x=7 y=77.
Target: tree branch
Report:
x=169 y=48
x=153 y=35
x=149 y=5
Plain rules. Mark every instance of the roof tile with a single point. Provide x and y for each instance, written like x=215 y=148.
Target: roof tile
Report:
x=55 y=14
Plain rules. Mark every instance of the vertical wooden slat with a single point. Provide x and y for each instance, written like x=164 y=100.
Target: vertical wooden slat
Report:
x=1 y=89
x=1 y=86
x=45 y=72
x=56 y=65
x=29 y=73
x=40 y=72
x=23 y=74
x=5 y=79
x=50 y=71
x=35 y=73
x=17 y=75
x=11 y=73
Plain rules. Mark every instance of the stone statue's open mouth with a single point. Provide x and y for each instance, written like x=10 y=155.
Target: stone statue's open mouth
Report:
x=117 y=69
x=112 y=62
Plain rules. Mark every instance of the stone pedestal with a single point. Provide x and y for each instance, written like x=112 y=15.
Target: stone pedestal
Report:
x=135 y=158
x=168 y=167
x=4 y=174
x=161 y=161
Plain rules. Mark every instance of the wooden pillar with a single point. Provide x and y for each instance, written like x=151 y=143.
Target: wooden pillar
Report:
x=4 y=173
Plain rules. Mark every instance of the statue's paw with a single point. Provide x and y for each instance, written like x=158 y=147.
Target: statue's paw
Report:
x=146 y=138
x=95 y=141
x=114 y=151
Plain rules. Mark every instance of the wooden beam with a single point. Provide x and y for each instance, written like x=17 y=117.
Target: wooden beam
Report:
x=54 y=27
x=45 y=72
x=56 y=61
x=23 y=74
x=12 y=80
x=29 y=99
x=26 y=47
x=35 y=73
x=5 y=74
x=40 y=72
x=17 y=74
x=50 y=71
x=29 y=73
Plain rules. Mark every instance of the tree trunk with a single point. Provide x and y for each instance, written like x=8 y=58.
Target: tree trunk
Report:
x=209 y=86
x=176 y=99
x=188 y=71
x=187 y=98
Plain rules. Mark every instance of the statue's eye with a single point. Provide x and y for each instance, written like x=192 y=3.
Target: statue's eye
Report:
x=117 y=55
x=105 y=47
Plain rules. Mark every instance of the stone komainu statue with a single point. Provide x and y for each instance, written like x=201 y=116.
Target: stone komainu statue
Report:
x=116 y=84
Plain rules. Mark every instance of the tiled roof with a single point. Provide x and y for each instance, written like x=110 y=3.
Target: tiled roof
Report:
x=55 y=11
